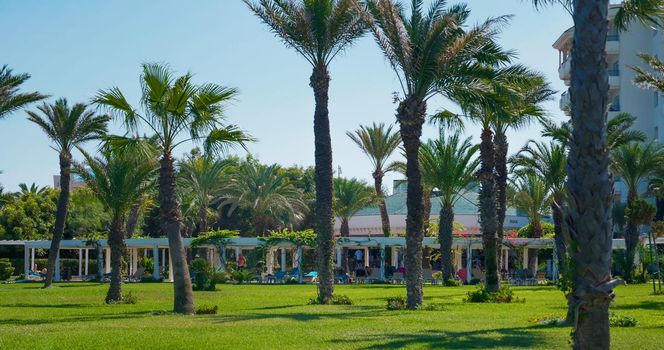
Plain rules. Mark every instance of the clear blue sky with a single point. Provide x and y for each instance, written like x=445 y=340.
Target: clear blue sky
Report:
x=74 y=48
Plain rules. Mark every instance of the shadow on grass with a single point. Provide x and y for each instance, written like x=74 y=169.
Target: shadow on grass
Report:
x=72 y=319
x=520 y=337
x=50 y=306
x=300 y=316
x=644 y=305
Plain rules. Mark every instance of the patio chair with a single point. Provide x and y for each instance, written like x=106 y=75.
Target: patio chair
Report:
x=277 y=277
x=311 y=277
x=374 y=276
x=397 y=278
x=138 y=275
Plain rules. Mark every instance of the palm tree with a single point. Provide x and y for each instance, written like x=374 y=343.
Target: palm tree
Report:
x=448 y=165
x=635 y=163
x=318 y=30
x=10 y=99
x=529 y=91
x=618 y=129
x=203 y=176
x=431 y=54
x=272 y=200
x=67 y=127
x=32 y=189
x=175 y=107
x=350 y=196
x=589 y=182
x=118 y=179
x=378 y=143
x=532 y=195
x=548 y=161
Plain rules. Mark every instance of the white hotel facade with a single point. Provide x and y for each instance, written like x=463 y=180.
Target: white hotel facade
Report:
x=622 y=49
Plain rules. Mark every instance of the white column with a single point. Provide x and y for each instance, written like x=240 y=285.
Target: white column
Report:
x=366 y=256
x=269 y=261
x=87 y=260
x=339 y=256
x=80 y=263
x=395 y=257
x=163 y=258
x=283 y=259
x=506 y=258
x=32 y=259
x=170 y=266
x=525 y=258
x=26 y=261
x=238 y=251
x=457 y=259
x=382 y=262
x=107 y=260
x=155 y=261
x=134 y=260
x=469 y=263
x=57 y=267
x=222 y=257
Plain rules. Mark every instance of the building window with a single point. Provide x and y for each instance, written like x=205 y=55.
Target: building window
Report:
x=614 y=71
x=615 y=105
x=613 y=34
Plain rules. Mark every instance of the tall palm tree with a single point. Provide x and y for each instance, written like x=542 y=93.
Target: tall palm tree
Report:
x=448 y=165
x=32 y=189
x=318 y=30
x=530 y=91
x=431 y=54
x=506 y=97
x=118 y=179
x=10 y=98
x=177 y=111
x=203 y=176
x=67 y=127
x=378 y=142
x=273 y=201
x=532 y=195
x=548 y=161
x=589 y=181
x=635 y=163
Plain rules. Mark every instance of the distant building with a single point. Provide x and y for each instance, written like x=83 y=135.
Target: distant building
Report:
x=367 y=222
x=76 y=182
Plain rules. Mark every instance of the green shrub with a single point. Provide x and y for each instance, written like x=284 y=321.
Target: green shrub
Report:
x=437 y=275
x=547 y=231
x=129 y=298
x=147 y=263
x=475 y=281
x=481 y=295
x=622 y=321
x=337 y=299
x=207 y=310
x=202 y=274
x=549 y=321
x=396 y=303
x=452 y=282
x=241 y=276
x=434 y=307
x=6 y=269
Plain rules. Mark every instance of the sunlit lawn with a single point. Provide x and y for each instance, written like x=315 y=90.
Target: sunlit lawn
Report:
x=73 y=316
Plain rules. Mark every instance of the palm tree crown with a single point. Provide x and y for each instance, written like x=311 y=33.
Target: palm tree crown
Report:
x=10 y=99
x=350 y=196
x=378 y=142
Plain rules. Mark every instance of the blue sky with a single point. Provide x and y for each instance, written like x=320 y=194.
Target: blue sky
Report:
x=74 y=48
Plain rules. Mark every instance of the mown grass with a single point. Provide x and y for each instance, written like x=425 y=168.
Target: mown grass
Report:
x=73 y=316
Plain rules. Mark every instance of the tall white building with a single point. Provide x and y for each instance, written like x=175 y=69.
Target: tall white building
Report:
x=622 y=49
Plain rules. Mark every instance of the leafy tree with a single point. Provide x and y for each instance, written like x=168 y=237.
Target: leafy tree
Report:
x=87 y=215
x=448 y=165
x=635 y=163
x=28 y=216
x=67 y=127
x=378 y=142
x=431 y=54
x=10 y=98
x=350 y=196
x=273 y=201
x=177 y=111
x=318 y=30
x=118 y=179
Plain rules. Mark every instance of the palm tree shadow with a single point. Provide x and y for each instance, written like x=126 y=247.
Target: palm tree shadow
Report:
x=517 y=337
x=644 y=305
x=69 y=319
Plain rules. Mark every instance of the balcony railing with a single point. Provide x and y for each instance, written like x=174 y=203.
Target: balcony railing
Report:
x=615 y=107
x=614 y=72
x=613 y=37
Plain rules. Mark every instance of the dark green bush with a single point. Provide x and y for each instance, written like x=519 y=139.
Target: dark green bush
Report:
x=481 y=295
x=207 y=310
x=452 y=282
x=337 y=299
x=475 y=281
x=622 y=321
x=129 y=298
x=396 y=303
x=203 y=275
x=241 y=276
x=6 y=269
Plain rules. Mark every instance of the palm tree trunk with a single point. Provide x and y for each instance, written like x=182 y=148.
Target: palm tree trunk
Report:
x=171 y=224
x=320 y=83
x=426 y=198
x=589 y=182
x=445 y=228
x=559 y=238
x=118 y=249
x=631 y=239
x=203 y=219
x=488 y=220
x=132 y=219
x=344 y=231
x=410 y=115
x=501 y=146
x=60 y=216
x=384 y=217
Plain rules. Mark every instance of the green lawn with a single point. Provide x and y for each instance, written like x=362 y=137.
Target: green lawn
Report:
x=72 y=316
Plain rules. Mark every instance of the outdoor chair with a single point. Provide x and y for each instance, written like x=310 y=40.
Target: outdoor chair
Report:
x=397 y=278
x=277 y=277
x=311 y=277
x=138 y=275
